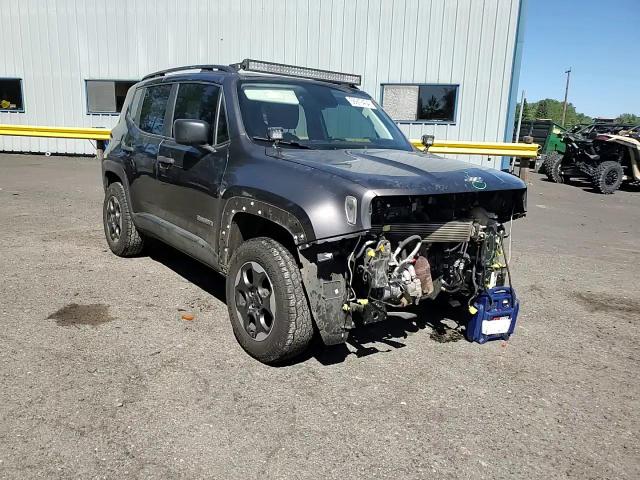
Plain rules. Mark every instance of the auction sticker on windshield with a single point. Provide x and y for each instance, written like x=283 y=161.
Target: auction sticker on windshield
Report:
x=360 y=102
x=271 y=95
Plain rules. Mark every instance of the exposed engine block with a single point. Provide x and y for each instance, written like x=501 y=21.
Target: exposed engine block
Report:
x=406 y=261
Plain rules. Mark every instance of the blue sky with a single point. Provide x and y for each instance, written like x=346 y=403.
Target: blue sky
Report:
x=599 y=40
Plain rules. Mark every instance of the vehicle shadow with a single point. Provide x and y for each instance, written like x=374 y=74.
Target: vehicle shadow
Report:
x=443 y=321
x=386 y=336
x=191 y=270
x=630 y=187
x=587 y=186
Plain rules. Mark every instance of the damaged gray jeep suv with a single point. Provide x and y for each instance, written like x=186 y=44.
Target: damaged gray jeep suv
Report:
x=297 y=187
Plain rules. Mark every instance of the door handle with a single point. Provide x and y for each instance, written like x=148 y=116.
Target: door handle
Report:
x=165 y=161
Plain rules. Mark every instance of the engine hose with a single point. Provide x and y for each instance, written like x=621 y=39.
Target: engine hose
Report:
x=350 y=259
x=366 y=244
x=409 y=257
x=506 y=264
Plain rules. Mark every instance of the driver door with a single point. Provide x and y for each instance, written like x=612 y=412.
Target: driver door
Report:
x=190 y=176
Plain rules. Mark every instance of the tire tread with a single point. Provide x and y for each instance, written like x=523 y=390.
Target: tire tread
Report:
x=598 y=177
x=133 y=243
x=551 y=167
x=300 y=324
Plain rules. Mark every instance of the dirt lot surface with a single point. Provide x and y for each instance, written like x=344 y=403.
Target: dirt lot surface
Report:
x=102 y=378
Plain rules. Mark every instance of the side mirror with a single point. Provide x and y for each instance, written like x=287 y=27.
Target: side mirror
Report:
x=191 y=132
x=427 y=141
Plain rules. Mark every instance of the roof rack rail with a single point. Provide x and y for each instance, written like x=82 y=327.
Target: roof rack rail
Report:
x=202 y=68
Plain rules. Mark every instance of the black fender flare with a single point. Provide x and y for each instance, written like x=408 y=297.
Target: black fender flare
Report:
x=261 y=209
x=110 y=166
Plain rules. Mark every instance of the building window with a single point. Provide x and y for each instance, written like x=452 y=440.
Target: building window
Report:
x=432 y=103
x=11 y=95
x=107 y=96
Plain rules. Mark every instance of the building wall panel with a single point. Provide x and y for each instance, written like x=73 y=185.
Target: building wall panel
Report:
x=55 y=45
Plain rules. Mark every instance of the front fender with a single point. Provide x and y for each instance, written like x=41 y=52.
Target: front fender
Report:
x=260 y=208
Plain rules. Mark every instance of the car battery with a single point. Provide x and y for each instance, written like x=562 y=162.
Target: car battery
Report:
x=494 y=315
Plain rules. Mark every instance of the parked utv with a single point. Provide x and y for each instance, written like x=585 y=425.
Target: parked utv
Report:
x=605 y=159
x=297 y=187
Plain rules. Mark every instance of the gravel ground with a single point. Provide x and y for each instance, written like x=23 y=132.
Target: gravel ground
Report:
x=101 y=378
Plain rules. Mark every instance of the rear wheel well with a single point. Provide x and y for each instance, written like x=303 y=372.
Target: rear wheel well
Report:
x=111 y=178
x=246 y=226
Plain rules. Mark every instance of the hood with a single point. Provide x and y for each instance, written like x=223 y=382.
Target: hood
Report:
x=412 y=172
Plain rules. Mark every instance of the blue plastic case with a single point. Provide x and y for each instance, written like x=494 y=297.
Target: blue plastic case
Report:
x=496 y=316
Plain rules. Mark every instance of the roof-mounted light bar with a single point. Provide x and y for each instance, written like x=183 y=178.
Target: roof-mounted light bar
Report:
x=301 y=72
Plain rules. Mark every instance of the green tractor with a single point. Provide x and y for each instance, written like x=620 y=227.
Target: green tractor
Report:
x=546 y=134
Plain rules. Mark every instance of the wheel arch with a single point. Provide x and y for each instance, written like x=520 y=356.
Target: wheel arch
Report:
x=114 y=172
x=244 y=218
x=245 y=226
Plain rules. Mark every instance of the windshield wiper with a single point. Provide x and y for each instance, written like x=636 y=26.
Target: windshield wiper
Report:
x=284 y=142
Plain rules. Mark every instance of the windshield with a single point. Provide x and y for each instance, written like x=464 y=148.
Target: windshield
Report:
x=317 y=116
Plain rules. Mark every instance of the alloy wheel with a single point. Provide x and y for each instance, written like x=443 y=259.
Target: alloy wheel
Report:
x=114 y=218
x=254 y=300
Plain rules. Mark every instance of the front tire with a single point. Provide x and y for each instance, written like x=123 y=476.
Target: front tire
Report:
x=551 y=167
x=122 y=235
x=267 y=305
x=608 y=177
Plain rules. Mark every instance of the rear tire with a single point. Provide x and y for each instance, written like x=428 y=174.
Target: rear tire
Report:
x=552 y=166
x=608 y=177
x=267 y=305
x=122 y=235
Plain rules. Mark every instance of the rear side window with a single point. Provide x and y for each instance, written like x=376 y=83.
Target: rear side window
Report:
x=197 y=101
x=153 y=109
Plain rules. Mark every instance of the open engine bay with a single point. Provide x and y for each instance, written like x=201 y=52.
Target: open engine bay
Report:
x=420 y=247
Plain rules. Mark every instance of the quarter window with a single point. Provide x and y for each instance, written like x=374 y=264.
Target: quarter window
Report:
x=11 y=95
x=222 y=133
x=107 y=96
x=426 y=102
x=197 y=101
x=134 y=106
x=153 y=109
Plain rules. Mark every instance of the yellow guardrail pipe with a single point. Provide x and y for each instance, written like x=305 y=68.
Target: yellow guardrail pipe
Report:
x=56 y=132
x=523 y=150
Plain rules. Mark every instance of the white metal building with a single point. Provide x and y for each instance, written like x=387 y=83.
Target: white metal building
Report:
x=447 y=67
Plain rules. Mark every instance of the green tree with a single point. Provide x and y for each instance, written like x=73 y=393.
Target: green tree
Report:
x=542 y=110
x=527 y=112
x=629 y=118
x=549 y=108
